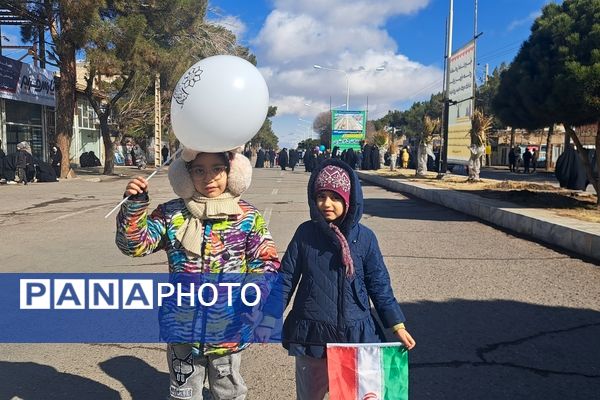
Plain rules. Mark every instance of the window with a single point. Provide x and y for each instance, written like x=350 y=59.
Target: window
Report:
x=85 y=115
x=18 y=112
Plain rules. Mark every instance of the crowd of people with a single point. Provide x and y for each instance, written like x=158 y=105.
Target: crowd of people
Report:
x=527 y=160
x=22 y=167
x=367 y=158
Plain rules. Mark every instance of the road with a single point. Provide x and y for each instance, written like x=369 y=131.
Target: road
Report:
x=495 y=316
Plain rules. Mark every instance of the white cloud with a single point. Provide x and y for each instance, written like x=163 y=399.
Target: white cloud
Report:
x=300 y=33
x=524 y=21
x=234 y=24
x=341 y=34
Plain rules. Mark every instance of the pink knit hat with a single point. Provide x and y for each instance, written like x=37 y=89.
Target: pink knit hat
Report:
x=335 y=179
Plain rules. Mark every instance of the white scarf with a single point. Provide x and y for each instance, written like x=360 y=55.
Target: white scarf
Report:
x=190 y=233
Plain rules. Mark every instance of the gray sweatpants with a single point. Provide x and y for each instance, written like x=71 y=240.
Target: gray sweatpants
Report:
x=311 y=378
x=187 y=374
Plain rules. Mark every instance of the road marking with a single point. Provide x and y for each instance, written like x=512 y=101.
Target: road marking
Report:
x=274 y=192
x=267 y=216
x=77 y=213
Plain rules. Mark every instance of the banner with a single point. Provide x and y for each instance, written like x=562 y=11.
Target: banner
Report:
x=461 y=91
x=373 y=371
x=137 y=308
x=348 y=129
x=24 y=82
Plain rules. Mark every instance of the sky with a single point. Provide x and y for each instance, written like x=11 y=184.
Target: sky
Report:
x=406 y=37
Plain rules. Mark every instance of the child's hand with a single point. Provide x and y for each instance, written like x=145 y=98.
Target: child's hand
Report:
x=137 y=185
x=405 y=338
x=262 y=334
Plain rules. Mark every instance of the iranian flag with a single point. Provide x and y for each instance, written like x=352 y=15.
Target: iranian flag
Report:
x=373 y=371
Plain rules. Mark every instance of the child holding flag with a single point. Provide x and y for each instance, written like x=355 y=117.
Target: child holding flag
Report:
x=208 y=229
x=334 y=265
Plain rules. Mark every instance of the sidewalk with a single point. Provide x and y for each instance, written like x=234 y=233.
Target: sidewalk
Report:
x=580 y=237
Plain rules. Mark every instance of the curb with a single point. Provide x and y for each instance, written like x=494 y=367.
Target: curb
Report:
x=580 y=237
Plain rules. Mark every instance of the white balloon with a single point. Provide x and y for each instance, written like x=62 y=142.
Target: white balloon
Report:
x=219 y=104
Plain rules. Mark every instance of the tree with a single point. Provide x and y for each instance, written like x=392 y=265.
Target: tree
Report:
x=308 y=144
x=68 y=22
x=410 y=122
x=265 y=137
x=322 y=125
x=555 y=77
x=486 y=93
x=131 y=38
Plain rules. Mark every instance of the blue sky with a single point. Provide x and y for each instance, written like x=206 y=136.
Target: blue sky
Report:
x=407 y=36
x=289 y=36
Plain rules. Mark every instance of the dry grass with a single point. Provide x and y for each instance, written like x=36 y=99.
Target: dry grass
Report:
x=562 y=202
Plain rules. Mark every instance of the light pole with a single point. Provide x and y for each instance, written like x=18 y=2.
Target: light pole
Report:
x=307 y=125
x=317 y=66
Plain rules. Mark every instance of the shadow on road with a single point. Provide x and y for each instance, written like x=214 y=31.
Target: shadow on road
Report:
x=410 y=208
x=466 y=349
x=31 y=381
x=141 y=380
x=503 y=350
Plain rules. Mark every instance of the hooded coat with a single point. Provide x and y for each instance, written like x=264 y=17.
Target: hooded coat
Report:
x=330 y=307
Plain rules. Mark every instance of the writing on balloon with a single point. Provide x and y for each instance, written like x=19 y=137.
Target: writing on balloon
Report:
x=188 y=81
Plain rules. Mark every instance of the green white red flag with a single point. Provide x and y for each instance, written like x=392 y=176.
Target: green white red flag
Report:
x=373 y=371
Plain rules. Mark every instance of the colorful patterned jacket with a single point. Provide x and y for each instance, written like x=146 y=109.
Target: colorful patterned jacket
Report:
x=240 y=245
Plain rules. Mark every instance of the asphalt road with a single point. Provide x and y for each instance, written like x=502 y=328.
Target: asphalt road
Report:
x=495 y=316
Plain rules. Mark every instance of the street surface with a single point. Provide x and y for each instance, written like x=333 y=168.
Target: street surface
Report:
x=495 y=316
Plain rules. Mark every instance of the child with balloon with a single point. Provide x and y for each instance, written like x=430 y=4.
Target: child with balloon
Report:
x=208 y=228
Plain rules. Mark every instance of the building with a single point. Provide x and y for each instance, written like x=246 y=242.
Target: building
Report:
x=27 y=106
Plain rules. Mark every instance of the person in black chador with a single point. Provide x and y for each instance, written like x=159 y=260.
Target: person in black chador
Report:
x=527 y=160
x=2 y=157
x=366 y=160
x=375 y=163
x=308 y=160
x=55 y=160
x=351 y=158
x=293 y=159
x=164 y=152
x=283 y=159
x=260 y=159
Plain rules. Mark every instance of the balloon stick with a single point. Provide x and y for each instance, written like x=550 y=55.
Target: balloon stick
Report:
x=148 y=178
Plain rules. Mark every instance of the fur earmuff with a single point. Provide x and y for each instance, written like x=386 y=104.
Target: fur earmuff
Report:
x=180 y=179
x=240 y=174
x=238 y=179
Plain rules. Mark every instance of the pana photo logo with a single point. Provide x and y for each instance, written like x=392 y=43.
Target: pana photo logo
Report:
x=132 y=294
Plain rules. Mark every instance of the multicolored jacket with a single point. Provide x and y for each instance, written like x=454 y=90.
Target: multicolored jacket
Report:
x=241 y=244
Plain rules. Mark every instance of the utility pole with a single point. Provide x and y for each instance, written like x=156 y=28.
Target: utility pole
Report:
x=157 y=123
x=444 y=152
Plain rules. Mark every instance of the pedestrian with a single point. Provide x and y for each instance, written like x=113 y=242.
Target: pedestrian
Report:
x=534 y=159
x=260 y=158
x=2 y=158
x=518 y=158
x=283 y=159
x=405 y=158
x=272 y=155
x=293 y=159
x=165 y=153
x=201 y=231
x=335 y=266
x=512 y=160
x=55 y=160
x=527 y=160
x=24 y=162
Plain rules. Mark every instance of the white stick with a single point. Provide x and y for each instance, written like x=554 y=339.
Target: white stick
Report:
x=148 y=178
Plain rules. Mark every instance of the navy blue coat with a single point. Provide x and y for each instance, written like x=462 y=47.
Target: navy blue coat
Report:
x=330 y=307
